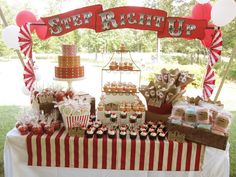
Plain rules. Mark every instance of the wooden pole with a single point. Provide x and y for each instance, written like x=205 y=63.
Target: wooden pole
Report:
x=158 y=49
x=233 y=54
x=6 y=24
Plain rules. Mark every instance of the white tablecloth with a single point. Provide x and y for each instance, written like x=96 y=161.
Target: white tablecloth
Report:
x=216 y=164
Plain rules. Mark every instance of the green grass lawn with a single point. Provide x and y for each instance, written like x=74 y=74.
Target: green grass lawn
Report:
x=7 y=122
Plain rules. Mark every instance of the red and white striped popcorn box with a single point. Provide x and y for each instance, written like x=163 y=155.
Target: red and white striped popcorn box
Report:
x=75 y=114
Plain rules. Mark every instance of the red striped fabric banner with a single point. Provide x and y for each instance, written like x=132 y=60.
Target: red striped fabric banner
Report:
x=61 y=150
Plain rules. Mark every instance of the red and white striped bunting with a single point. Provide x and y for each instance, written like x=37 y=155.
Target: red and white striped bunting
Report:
x=209 y=82
x=74 y=121
x=25 y=40
x=29 y=75
x=216 y=48
x=61 y=150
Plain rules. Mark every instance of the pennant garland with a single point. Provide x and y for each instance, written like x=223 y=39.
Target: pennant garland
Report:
x=29 y=75
x=216 y=48
x=25 y=40
x=209 y=83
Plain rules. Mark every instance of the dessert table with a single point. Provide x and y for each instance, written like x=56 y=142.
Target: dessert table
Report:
x=16 y=160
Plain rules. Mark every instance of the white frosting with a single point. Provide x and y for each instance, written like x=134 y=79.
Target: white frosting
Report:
x=90 y=131
x=114 y=116
x=133 y=117
x=111 y=132
x=133 y=133
x=153 y=134
x=100 y=132
x=123 y=132
x=143 y=133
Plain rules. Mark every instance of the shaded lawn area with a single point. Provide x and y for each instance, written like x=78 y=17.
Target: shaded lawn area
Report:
x=7 y=122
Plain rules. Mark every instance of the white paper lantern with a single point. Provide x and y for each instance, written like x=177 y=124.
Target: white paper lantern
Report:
x=202 y=1
x=10 y=36
x=223 y=12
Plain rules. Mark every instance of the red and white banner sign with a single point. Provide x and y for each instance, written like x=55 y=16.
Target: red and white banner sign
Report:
x=60 y=24
x=131 y=17
x=183 y=27
x=61 y=150
x=142 y=18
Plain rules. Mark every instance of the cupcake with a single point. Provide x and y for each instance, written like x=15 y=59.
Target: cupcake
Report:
x=123 y=127
x=128 y=107
x=100 y=107
x=133 y=118
x=104 y=129
x=107 y=114
x=150 y=123
x=139 y=114
x=130 y=66
x=90 y=123
x=161 y=136
x=99 y=133
x=145 y=125
x=159 y=130
x=150 y=130
x=92 y=117
x=96 y=125
x=122 y=107
x=153 y=136
x=133 y=134
x=143 y=135
x=143 y=128
x=125 y=66
x=89 y=133
x=113 y=117
x=93 y=128
x=113 y=65
x=121 y=66
x=123 y=134
x=154 y=126
x=123 y=114
x=111 y=133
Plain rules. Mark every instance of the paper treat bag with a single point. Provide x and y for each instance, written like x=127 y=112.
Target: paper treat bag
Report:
x=160 y=94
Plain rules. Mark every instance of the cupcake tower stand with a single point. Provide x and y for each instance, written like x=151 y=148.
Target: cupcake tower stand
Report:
x=123 y=67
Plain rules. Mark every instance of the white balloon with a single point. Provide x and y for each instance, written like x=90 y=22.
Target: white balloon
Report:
x=202 y=1
x=223 y=12
x=10 y=36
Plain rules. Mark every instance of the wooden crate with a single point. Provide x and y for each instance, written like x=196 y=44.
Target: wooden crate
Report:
x=200 y=136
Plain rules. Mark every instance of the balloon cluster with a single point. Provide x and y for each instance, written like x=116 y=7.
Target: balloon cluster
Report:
x=221 y=13
x=10 y=33
x=26 y=16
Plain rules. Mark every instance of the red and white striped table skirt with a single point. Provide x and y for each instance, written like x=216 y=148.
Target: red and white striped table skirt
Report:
x=62 y=150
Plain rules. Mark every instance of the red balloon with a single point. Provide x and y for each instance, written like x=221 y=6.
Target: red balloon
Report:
x=209 y=34
x=41 y=30
x=202 y=11
x=25 y=16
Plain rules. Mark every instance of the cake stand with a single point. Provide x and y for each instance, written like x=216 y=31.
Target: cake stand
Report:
x=69 y=81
